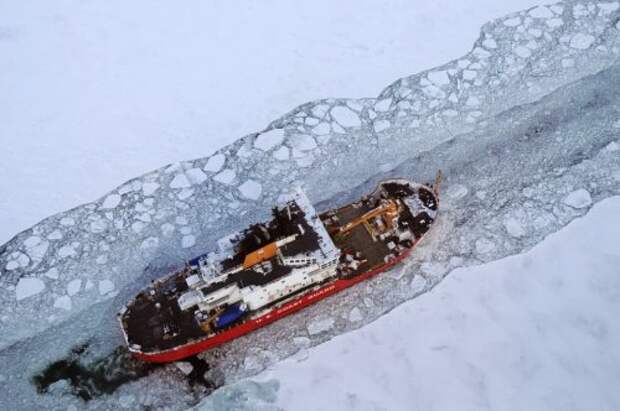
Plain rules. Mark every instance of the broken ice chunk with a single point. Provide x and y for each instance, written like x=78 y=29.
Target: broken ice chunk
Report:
x=226 y=176
x=251 y=189
x=186 y=230
x=68 y=250
x=303 y=342
x=52 y=273
x=215 y=163
x=578 y=199
x=188 y=241
x=489 y=43
x=457 y=191
x=185 y=193
x=554 y=23
x=355 y=315
x=611 y=147
x=138 y=226
x=383 y=105
x=522 y=52
x=607 y=8
x=484 y=245
x=381 y=125
x=514 y=227
x=302 y=142
x=321 y=129
x=319 y=325
x=281 y=154
x=469 y=74
x=149 y=188
x=63 y=302
x=17 y=260
x=27 y=287
x=185 y=367
x=67 y=221
x=180 y=181
x=105 y=286
x=512 y=22
x=167 y=229
x=439 y=77
x=55 y=235
x=345 y=116
x=150 y=242
x=269 y=139
x=581 y=41
x=111 y=201
x=472 y=101
x=74 y=286
x=541 y=12
x=195 y=175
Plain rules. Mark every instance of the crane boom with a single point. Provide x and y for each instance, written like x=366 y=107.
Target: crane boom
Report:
x=389 y=209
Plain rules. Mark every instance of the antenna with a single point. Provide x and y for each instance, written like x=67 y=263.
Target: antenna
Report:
x=437 y=183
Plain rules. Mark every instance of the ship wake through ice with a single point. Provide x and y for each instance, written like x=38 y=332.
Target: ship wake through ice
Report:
x=525 y=127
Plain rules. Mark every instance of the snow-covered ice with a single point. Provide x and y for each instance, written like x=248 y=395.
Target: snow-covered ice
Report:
x=131 y=87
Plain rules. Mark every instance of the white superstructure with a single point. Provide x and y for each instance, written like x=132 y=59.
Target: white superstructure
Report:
x=302 y=256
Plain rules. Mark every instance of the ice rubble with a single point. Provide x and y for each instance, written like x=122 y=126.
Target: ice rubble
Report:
x=508 y=166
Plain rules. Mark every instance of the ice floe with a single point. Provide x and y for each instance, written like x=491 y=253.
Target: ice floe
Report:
x=251 y=189
x=269 y=139
x=111 y=201
x=345 y=116
x=106 y=286
x=27 y=287
x=578 y=199
x=215 y=163
x=74 y=286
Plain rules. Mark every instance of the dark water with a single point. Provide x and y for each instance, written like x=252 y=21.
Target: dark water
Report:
x=103 y=376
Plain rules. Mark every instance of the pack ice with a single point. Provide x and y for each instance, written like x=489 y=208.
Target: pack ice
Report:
x=520 y=125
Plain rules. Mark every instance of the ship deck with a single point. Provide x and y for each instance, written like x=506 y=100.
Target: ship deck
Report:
x=146 y=321
x=360 y=240
x=155 y=322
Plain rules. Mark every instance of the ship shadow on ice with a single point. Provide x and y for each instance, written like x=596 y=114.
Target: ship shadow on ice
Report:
x=103 y=376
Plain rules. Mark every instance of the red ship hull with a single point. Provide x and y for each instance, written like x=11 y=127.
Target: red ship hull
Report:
x=188 y=350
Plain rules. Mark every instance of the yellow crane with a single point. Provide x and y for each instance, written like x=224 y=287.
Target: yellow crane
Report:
x=388 y=211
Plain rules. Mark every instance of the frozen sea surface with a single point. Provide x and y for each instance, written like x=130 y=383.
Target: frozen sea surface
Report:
x=94 y=93
x=536 y=331
x=526 y=142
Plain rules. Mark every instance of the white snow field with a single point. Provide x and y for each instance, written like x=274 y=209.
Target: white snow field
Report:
x=95 y=93
x=536 y=331
x=527 y=142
